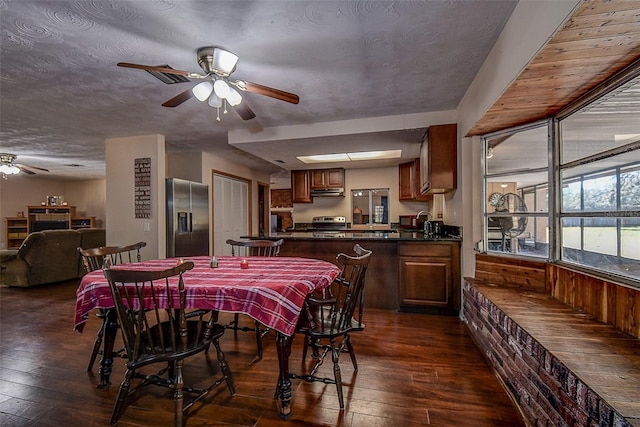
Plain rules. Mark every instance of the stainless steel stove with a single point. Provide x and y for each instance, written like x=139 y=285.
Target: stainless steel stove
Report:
x=329 y=223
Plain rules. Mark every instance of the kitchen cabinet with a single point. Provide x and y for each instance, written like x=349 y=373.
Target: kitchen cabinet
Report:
x=300 y=187
x=439 y=159
x=410 y=182
x=17 y=229
x=327 y=178
x=429 y=277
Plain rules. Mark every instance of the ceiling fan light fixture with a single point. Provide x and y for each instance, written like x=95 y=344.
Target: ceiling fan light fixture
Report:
x=8 y=169
x=233 y=97
x=215 y=101
x=224 y=61
x=202 y=91
x=221 y=88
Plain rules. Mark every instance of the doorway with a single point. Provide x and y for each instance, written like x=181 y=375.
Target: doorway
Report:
x=264 y=208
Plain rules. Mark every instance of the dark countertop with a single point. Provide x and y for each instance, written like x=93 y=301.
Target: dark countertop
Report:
x=356 y=235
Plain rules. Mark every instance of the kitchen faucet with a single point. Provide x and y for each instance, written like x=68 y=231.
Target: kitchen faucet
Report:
x=424 y=212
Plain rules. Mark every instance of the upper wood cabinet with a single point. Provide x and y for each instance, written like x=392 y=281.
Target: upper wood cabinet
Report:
x=300 y=187
x=439 y=159
x=410 y=182
x=327 y=178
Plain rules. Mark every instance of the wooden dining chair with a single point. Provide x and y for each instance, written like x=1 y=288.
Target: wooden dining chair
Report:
x=94 y=259
x=157 y=329
x=327 y=321
x=249 y=248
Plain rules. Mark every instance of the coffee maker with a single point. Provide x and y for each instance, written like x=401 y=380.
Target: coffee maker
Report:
x=434 y=228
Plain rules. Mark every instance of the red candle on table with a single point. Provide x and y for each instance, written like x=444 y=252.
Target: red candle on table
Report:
x=244 y=263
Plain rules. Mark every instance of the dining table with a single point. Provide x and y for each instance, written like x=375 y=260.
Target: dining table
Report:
x=272 y=290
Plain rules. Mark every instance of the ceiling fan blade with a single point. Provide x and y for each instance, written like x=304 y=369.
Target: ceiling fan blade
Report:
x=179 y=99
x=25 y=170
x=244 y=111
x=161 y=70
x=24 y=167
x=267 y=91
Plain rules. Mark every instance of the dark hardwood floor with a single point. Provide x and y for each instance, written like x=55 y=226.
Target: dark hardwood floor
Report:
x=414 y=370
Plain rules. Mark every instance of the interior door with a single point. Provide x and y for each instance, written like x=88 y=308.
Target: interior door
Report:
x=230 y=211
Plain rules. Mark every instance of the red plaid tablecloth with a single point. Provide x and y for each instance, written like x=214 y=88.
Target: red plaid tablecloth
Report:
x=272 y=290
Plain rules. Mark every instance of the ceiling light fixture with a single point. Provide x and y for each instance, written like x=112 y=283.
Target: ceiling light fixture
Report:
x=217 y=94
x=6 y=165
x=202 y=91
x=490 y=153
x=324 y=158
x=349 y=157
x=375 y=155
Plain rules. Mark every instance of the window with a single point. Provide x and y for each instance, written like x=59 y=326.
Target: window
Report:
x=600 y=179
x=370 y=206
x=580 y=206
x=516 y=190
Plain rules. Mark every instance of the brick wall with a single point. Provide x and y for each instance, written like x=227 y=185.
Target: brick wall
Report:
x=281 y=199
x=546 y=391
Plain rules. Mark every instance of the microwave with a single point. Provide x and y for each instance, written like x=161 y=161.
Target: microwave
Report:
x=408 y=221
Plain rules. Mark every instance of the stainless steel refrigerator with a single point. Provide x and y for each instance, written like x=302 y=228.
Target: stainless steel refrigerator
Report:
x=187 y=218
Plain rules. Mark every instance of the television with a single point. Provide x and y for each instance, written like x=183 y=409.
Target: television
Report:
x=49 y=225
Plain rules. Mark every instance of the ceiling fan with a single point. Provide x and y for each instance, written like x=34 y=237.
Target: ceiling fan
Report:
x=7 y=167
x=217 y=89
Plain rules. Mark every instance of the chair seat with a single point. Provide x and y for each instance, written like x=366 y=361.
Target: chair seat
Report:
x=196 y=339
x=325 y=325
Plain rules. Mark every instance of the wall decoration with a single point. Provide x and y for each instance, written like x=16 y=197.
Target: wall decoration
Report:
x=142 y=202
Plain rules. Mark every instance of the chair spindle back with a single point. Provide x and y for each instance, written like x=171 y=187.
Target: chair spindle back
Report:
x=255 y=247
x=95 y=258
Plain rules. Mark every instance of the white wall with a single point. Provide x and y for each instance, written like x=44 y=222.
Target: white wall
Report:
x=89 y=197
x=185 y=166
x=121 y=224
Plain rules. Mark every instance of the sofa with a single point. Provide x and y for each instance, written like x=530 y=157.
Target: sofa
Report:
x=48 y=256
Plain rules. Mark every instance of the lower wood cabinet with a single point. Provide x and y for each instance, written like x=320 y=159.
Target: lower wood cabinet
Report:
x=429 y=277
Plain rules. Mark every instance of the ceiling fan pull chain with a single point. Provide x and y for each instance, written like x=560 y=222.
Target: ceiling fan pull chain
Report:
x=225 y=106
x=218 y=114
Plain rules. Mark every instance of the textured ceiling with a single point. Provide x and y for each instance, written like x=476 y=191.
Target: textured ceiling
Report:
x=62 y=95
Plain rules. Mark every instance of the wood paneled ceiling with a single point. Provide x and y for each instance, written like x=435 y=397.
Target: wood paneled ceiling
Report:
x=601 y=38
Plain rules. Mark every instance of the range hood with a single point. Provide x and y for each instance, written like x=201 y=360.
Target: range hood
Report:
x=327 y=192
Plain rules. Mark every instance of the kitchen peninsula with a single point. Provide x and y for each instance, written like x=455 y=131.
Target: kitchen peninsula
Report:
x=408 y=271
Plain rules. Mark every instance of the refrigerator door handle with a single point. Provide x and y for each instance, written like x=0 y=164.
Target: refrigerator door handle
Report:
x=190 y=222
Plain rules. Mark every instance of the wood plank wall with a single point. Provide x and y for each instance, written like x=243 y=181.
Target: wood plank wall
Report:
x=606 y=301
x=525 y=274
